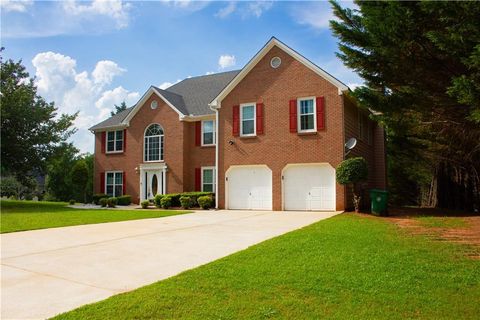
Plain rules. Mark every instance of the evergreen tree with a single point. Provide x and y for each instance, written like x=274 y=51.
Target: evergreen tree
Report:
x=421 y=66
x=118 y=109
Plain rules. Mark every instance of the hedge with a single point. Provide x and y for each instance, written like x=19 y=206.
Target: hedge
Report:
x=124 y=200
x=97 y=197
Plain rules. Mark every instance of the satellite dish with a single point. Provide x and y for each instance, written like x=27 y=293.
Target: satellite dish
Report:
x=351 y=143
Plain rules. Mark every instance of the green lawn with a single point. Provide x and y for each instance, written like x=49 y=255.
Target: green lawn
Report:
x=30 y=215
x=346 y=267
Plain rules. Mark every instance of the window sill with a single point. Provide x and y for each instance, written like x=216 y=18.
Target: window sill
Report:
x=307 y=133
x=207 y=146
x=156 y=161
x=114 y=152
x=248 y=137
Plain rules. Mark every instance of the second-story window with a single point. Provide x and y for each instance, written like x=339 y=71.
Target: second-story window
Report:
x=153 y=147
x=306 y=115
x=208 y=132
x=247 y=119
x=115 y=141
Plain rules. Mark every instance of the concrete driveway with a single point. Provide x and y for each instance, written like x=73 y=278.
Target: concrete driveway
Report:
x=46 y=272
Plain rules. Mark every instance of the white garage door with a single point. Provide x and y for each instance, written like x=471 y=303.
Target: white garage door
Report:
x=249 y=187
x=309 y=187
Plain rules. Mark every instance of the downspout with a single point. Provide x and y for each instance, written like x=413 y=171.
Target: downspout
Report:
x=215 y=108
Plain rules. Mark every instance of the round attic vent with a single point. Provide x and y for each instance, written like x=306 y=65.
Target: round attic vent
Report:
x=275 y=62
x=154 y=104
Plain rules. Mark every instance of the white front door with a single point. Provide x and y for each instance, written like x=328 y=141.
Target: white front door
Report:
x=249 y=187
x=309 y=187
x=152 y=183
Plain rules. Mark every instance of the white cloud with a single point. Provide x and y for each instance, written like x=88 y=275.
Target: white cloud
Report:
x=257 y=8
x=316 y=14
x=15 y=5
x=226 y=61
x=105 y=71
x=115 y=9
x=58 y=80
x=209 y=73
x=165 y=85
x=354 y=85
x=187 y=5
x=226 y=11
x=116 y=96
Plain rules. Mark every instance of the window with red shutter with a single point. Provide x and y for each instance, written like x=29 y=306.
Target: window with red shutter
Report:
x=198 y=179
x=198 y=133
x=293 y=115
x=124 y=140
x=259 y=114
x=104 y=139
x=102 y=182
x=236 y=121
x=320 y=113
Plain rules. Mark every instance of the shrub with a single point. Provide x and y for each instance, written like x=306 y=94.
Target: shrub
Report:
x=124 y=200
x=186 y=202
x=145 y=204
x=112 y=202
x=350 y=172
x=166 y=202
x=157 y=200
x=72 y=202
x=98 y=196
x=205 y=202
x=103 y=202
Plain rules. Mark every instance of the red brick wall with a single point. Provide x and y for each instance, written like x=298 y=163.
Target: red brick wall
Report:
x=277 y=146
x=180 y=154
x=373 y=152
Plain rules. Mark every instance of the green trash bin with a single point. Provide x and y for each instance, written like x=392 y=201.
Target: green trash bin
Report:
x=379 y=199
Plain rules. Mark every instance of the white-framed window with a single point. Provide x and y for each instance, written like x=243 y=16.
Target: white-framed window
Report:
x=114 y=183
x=208 y=132
x=248 y=120
x=307 y=115
x=114 y=141
x=208 y=179
x=153 y=143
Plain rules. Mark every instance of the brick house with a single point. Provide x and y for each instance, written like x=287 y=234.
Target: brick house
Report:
x=271 y=135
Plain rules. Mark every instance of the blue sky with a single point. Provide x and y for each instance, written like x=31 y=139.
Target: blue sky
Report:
x=88 y=56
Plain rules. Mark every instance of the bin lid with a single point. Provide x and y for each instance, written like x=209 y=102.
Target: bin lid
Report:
x=378 y=191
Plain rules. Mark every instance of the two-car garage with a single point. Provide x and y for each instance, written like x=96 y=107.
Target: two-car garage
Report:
x=303 y=187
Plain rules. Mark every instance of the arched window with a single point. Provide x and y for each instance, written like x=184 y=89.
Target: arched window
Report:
x=153 y=147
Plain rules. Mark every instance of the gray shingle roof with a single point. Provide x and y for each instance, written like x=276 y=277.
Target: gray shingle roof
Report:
x=190 y=96
x=113 y=120
x=198 y=92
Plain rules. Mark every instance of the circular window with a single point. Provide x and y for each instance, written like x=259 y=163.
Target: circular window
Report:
x=275 y=62
x=154 y=104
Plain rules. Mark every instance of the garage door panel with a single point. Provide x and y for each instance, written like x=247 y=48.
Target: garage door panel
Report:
x=250 y=188
x=309 y=187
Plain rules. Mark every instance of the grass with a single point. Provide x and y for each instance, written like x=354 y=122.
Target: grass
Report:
x=31 y=215
x=442 y=222
x=346 y=267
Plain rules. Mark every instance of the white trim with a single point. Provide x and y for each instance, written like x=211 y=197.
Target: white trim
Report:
x=162 y=144
x=243 y=105
x=114 y=141
x=156 y=166
x=213 y=177
x=214 y=133
x=142 y=101
x=114 y=184
x=299 y=127
x=216 y=158
x=266 y=48
x=192 y=118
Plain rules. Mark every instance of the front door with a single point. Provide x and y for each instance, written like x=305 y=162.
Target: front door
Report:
x=153 y=183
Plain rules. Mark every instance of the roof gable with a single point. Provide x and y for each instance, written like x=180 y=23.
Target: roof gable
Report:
x=215 y=103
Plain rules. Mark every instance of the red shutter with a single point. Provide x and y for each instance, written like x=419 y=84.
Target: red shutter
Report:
x=104 y=138
x=124 y=185
x=259 y=113
x=198 y=133
x=124 y=140
x=236 y=121
x=102 y=182
x=320 y=113
x=293 y=115
x=198 y=179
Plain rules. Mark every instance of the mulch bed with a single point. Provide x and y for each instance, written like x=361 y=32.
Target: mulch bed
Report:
x=468 y=234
